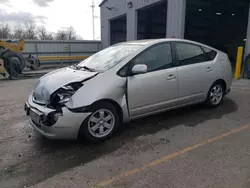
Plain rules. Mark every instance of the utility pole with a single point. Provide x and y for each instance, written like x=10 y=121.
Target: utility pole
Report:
x=93 y=17
x=2 y=23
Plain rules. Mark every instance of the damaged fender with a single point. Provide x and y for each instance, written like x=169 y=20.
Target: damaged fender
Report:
x=96 y=90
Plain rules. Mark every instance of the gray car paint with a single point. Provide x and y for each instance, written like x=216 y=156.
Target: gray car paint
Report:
x=110 y=86
x=101 y=87
x=49 y=83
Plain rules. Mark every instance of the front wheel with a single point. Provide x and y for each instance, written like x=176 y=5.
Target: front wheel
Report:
x=101 y=124
x=215 y=94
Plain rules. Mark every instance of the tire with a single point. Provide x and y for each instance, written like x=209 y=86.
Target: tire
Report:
x=7 y=54
x=215 y=94
x=12 y=68
x=103 y=115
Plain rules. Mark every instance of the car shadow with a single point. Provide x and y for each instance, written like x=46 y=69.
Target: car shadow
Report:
x=189 y=116
x=59 y=156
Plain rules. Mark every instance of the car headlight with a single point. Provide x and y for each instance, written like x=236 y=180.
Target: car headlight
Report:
x=64 y=98
x=63 y=95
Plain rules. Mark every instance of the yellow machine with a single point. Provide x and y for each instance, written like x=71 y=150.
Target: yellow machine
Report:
x=13 y=62
x=15 y=46
x=3 y=71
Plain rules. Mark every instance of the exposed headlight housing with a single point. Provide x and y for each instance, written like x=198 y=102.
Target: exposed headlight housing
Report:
x=63 y=95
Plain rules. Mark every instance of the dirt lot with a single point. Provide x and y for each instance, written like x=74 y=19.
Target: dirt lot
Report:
x=190 y=147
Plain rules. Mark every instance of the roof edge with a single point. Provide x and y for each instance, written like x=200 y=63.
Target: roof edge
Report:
x=104 y=1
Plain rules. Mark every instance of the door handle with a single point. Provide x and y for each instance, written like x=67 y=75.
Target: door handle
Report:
x=171 y=77
x=209 y=69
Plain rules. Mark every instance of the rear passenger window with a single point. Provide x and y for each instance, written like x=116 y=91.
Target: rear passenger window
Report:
x=189 y=54
x=209 y=53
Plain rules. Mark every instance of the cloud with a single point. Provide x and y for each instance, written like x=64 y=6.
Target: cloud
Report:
x=4 y=1
x=42 y=3
x=41 y=19
x=20 y=17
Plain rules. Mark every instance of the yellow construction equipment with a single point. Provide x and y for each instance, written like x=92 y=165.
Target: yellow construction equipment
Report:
x=14 y=45
x=3 y=71
x=13 y=62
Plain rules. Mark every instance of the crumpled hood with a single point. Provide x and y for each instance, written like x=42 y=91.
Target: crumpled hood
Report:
x=54 y=80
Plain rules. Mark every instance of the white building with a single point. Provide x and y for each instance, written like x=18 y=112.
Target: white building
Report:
x=224 y=24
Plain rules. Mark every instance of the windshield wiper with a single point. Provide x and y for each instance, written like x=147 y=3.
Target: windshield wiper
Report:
x=87 y=68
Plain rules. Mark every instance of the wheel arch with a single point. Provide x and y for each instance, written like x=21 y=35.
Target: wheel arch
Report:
x=224 y=85
x=114 y=103
x=221 y=81
x=216 y=80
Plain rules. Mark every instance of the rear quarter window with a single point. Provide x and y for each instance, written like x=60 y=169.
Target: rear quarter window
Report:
x=209 y=53
x=189 y=53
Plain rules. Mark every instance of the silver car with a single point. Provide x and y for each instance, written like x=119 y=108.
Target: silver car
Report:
x=124 y=82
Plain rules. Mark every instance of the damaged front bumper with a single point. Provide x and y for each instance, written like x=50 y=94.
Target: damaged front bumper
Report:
x=52 y=123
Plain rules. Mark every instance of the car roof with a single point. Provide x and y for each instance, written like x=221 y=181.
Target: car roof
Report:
x=149 y=42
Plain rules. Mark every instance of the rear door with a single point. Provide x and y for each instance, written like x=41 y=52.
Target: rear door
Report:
x=155 y=90
x=195 y=72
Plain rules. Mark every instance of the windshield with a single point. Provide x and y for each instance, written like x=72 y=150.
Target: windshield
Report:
x=108 y=58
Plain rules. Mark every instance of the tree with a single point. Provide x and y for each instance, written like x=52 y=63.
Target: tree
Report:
x=5 y=31
x=61 y=35
x=50 y=36
x=18 y=33
x=30 y=30
x=43 y=34
x=71 y=33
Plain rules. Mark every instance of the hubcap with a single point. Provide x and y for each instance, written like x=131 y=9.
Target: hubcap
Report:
x=101 y=123
x=216 y=94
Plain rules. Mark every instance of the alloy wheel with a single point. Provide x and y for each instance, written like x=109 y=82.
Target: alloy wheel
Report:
x=101 y=123
x=216 y=94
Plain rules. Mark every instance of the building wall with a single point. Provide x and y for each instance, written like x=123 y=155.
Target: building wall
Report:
x=247 y=51
x=118 y=8
x=175 y=18
x=176 y=14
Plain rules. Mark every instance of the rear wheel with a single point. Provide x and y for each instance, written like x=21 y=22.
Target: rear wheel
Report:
x=215 y=94
x=101 y=124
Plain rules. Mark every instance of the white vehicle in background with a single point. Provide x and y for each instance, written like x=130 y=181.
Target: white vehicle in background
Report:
x=127 y=81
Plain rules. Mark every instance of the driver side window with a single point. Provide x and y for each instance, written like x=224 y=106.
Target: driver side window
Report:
x=156 y=58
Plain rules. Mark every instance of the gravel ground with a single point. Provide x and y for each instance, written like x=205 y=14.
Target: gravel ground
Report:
x=28 y=159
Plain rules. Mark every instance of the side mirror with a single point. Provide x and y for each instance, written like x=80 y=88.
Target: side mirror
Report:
x=139 y=69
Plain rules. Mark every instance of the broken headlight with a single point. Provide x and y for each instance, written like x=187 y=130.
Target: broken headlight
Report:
x=63 y=95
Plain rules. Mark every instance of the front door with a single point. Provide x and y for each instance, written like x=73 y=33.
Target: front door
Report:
x=155 y=90
x=195 y=72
